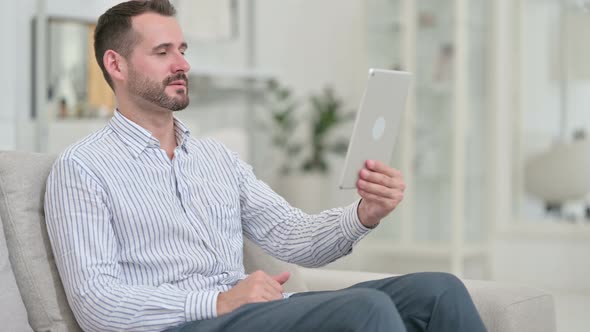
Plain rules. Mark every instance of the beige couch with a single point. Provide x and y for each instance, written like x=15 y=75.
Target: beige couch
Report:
x=32 y=297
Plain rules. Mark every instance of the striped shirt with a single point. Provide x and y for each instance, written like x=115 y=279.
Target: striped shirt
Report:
x=144 y=243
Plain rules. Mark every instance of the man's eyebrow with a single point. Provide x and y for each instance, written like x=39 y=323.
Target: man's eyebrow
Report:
x=168 y=45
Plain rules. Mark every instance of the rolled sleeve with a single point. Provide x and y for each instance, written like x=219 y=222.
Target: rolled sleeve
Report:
x=352 y=228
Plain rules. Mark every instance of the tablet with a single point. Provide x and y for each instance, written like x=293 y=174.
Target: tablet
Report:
x=377 y=122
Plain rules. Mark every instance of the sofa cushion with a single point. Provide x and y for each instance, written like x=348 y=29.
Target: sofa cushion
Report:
x=13 y=314
x=22 y=187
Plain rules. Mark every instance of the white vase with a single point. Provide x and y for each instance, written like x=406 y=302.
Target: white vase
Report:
x=560 y=173
x=306 y=191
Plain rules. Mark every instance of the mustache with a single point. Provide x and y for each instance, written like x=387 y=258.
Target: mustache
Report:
x=177 y=77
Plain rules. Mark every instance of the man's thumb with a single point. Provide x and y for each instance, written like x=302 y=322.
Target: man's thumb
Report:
x=282 y=278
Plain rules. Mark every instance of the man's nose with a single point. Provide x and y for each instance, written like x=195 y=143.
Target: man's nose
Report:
x=180 y=64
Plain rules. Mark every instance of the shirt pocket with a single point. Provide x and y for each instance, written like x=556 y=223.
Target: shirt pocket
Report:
x=225 y=218
x=222 y=205
x=226 y=228
x=211 y=192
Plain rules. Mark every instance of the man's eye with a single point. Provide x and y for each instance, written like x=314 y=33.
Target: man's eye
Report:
x=162 y=53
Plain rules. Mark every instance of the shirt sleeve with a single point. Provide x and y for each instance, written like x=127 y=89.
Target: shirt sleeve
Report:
x=85 y=248
x=288 y=233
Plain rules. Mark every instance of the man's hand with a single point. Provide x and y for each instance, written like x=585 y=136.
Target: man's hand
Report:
x=382 y=189
x=257 y=287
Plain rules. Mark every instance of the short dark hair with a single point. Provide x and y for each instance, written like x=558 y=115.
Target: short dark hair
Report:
x=114 y=29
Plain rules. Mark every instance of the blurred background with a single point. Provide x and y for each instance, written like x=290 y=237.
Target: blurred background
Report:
x=494 y=142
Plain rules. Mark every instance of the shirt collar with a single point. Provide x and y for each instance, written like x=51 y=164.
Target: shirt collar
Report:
x=182 y=134
x=138 y=138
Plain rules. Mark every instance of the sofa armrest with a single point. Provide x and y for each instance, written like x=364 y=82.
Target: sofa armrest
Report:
x=503 y=307
x=511 y=308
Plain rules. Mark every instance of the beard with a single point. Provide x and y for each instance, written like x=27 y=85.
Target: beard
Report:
x=155 y=92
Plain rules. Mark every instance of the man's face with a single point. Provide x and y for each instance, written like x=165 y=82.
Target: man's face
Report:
x=142 y=86
x=157 y=68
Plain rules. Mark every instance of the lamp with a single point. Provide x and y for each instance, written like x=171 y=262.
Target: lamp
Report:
x=562 y=172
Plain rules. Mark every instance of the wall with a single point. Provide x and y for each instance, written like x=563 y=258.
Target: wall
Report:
x=88 y=10
x=26 y=135
x=309 y=44
x=540 y=72
x=8 y=70
x=16 y=131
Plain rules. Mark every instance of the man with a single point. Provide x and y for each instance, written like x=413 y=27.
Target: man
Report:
x=146 y=222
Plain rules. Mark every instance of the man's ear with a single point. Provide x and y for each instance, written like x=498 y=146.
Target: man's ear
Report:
x=115 y=65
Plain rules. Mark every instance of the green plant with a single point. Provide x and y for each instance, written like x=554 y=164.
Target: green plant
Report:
x=326 y=115
x=282 y=123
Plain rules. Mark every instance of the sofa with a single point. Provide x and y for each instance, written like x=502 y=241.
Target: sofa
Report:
x=32 y=297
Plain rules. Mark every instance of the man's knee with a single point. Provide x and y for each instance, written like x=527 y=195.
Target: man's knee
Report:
x=365 y=309
x=452 y=306
x=438 y=283
x=368 y=298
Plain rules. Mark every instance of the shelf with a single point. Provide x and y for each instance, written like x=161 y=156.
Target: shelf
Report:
x=445 y=176
x=546 y=228
x=385 y=26
x=435 y=88
x=435 y=41
x=232 y=73
x=426 y=250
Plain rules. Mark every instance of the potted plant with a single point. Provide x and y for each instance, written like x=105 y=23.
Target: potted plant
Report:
x=326 y=114
x=304 y=170
x=281 y=123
